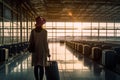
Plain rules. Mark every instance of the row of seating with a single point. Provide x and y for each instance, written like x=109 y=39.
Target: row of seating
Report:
x=101 y=52
x=11 y=50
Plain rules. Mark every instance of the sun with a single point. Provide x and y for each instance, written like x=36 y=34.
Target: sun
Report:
x=69 y=13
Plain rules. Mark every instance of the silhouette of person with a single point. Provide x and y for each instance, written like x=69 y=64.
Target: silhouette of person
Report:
x=38 y=46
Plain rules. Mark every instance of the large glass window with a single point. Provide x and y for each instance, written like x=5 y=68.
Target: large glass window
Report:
x=1 y=30
x=1 y=9
x=74 y=30
x=15 y=28
x=7 y=13
x=7 y=31
x=23 y=31
x=102 y=28
x=7 y=23
x=29 y=27
x=18 y=26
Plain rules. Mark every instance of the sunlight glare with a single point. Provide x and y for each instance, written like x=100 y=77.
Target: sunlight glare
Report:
x=69 y=13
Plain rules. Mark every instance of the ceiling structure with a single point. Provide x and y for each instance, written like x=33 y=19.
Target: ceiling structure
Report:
x=78 y=10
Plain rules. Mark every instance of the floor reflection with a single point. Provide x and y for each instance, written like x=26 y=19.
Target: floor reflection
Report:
x=72 y=66
x=19 y=69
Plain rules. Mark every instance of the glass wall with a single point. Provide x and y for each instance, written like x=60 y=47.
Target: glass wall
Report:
x=1 y=31
x=1 y=7
x=15 y=23
x=7 y=25
x=14 y=28
x=101 y=31
x=19 y=30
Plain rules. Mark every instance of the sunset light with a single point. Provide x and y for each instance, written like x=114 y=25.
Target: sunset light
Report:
x=69 y=13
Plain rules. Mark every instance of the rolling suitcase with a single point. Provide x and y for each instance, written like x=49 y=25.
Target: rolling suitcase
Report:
x=51 y=71
x=109 y=58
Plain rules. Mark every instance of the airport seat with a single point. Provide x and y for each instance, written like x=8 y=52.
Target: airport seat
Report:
x=117 y=50
x=109 y=58
x=86 y=50
x=96 y=54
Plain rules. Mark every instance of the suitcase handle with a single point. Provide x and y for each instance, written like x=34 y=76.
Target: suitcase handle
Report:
x=49 y=63
x=49 y=59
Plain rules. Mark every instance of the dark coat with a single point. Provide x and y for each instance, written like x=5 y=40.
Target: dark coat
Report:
x=39 y=47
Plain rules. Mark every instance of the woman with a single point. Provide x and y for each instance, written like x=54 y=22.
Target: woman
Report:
x=39 y=48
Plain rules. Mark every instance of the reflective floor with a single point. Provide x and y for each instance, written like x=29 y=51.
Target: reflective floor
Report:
x=71 y=66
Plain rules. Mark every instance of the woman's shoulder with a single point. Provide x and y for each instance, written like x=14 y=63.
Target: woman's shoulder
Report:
x=44 y=30
x=33 y=30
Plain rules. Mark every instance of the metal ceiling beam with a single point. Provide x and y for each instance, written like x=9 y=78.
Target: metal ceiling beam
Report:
x=85 y=9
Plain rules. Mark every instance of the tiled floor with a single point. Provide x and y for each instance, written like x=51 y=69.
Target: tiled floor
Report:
x=71 y=67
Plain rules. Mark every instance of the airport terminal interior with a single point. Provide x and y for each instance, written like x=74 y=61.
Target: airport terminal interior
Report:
x=83 y=38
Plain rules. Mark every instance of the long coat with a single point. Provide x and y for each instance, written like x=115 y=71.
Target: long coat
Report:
x=41 y=50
